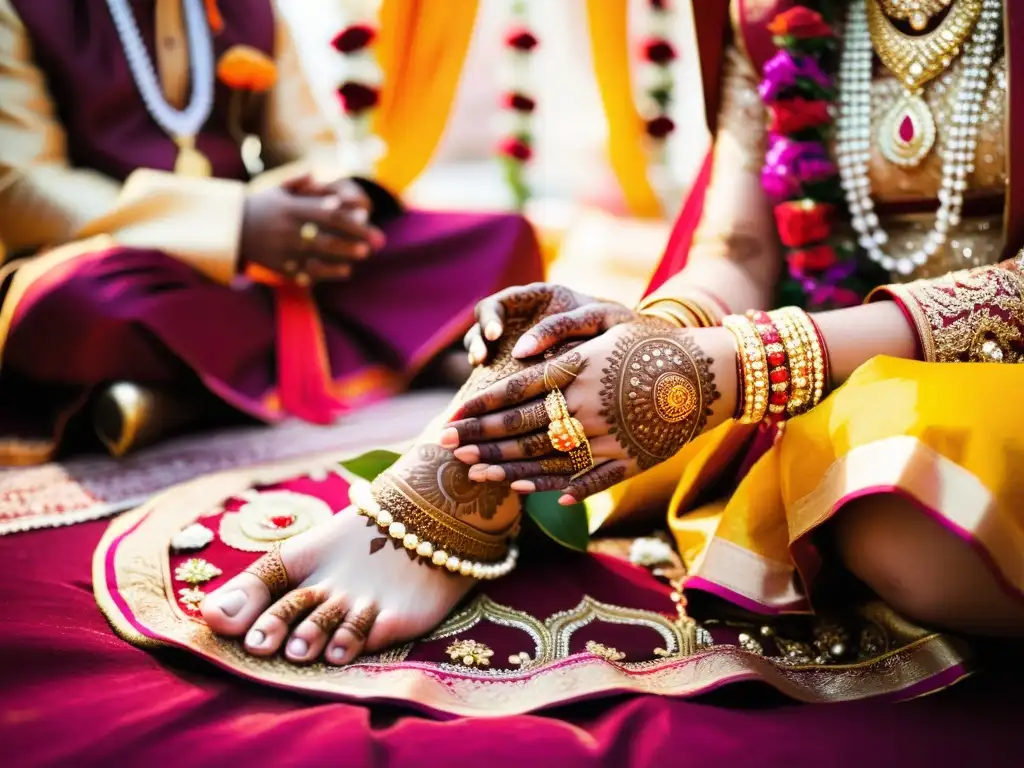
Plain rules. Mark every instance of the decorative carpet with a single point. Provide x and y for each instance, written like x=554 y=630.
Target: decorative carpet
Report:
x=90 y=487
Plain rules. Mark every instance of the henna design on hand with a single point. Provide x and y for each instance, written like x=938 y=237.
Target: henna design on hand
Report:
x=596 y=480
x=526 y=419
x=656 y=392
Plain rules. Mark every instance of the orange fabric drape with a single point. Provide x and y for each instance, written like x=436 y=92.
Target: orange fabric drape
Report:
x=609 y=45
x=421 y=49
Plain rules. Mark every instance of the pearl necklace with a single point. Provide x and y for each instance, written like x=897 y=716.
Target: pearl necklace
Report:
x=854 y=134
x=182 y=125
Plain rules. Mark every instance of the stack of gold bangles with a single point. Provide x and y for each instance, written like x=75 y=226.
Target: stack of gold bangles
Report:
x=783 y=362
x=430 y=534
x=706 y=312
x=567 y=434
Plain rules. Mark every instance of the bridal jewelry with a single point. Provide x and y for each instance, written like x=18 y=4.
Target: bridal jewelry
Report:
x=906 y=134
x=181 y=125
x=917 y=12
x=854 y=132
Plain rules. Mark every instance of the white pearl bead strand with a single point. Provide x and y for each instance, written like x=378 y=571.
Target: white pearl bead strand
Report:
x=854 y=135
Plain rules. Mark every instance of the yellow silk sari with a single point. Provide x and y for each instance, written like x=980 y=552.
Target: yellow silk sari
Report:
x=941 y=435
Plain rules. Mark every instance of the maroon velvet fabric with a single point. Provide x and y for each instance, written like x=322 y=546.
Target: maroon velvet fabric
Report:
x=72 y=693
x=146 y=317
x=77 y=47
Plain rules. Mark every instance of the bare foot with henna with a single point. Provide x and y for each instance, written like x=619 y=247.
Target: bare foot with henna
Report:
x=354 y=585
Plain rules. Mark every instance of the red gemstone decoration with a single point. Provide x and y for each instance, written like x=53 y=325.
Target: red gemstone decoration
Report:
x=778 y=398
x=281 y=521
x=778 y=376
x=776 y=358
x=906 y=131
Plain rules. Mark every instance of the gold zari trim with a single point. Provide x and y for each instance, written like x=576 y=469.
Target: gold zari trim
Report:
x=134 y=588
x=973 y=316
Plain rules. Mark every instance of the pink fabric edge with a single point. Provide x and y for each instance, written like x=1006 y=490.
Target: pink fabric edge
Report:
x=747 y=603
x=938 y=681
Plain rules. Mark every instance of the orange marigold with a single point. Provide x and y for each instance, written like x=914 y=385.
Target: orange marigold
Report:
x=244 y=68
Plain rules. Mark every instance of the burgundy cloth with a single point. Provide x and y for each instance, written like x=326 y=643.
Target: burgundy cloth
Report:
x=145 y=317
x=73 y=693
x=77 y=47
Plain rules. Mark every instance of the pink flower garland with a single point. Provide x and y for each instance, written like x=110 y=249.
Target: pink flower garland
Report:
x=798 y=174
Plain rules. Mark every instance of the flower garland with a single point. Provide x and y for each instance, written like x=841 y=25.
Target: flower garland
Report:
x=358 y=95
x=659 y=53
x=515 y=149
x=798 y=174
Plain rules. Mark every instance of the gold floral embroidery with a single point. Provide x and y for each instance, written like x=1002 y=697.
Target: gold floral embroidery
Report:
x=470 y=653
x=131 y=562
x=521 y=660
x=970 y=316
x=606 y=652
x=195 y=570
x=190 y=598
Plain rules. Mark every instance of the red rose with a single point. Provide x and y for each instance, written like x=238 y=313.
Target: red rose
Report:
x=794 y=115
x=521 y=39
x=519 y=102
x=801 y=222
x=354 y=38
x=515 y=148
x=659 y=51
x=815 y=259
x=801 y=23
x=660 y=127
x=356 y=97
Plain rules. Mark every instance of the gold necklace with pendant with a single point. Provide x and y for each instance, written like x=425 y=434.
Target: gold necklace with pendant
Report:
x=916 y=12
x=906 y=133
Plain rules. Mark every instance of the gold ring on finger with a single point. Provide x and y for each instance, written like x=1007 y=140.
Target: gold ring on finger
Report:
x=582 y=459
x=566 y=434
x=309 y=231
x=555 y=405
x=549 y=381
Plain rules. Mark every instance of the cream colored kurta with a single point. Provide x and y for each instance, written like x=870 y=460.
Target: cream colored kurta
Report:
x=46 y=202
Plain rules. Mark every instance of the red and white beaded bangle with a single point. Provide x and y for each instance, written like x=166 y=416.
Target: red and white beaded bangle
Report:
x=362 y=498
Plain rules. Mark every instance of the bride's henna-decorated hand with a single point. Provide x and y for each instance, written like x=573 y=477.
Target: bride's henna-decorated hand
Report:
x=642 y=391
x=567 y=315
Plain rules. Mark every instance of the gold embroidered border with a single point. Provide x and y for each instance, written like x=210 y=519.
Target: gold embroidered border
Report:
x=968 y=316
x=141 y=579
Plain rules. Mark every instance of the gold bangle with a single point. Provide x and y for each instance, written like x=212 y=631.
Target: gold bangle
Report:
x=753 y=361
x=812 y=344
x=685 y=313
x=796 y=357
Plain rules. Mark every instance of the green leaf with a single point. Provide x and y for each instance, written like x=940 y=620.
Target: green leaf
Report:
x=566 y=525
x=369 y=465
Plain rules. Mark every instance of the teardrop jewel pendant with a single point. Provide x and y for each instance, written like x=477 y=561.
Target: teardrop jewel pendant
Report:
x=190 y=161
x=906 y=133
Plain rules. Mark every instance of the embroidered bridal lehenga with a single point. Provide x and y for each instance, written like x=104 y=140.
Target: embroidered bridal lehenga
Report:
x=921 y=126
